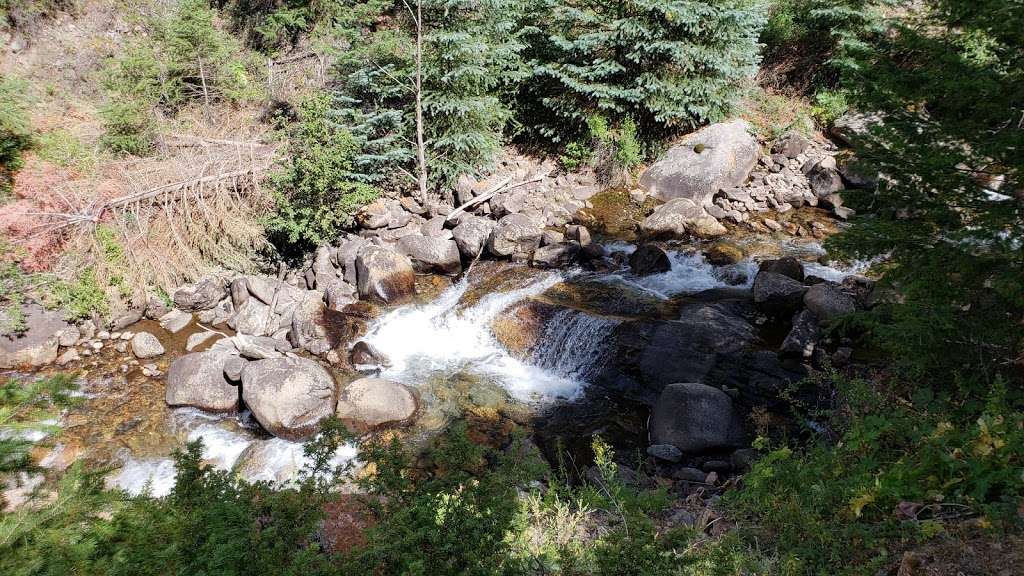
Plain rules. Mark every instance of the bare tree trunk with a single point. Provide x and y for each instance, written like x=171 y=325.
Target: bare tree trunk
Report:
x=206 y=93
x=421 y=152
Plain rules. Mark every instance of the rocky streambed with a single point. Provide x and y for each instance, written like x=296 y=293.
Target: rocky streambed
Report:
x=634 y=326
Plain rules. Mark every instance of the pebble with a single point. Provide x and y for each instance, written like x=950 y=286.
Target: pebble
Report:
x=121 y=347
x=97 y=346
x=127 y=335
x=103 y=335
x=115 y=335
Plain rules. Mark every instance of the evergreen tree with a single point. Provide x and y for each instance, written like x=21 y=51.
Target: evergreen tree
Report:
x=667 y=64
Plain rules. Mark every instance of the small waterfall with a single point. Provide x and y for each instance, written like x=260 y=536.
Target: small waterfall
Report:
x=690 y=273
x=574 y=344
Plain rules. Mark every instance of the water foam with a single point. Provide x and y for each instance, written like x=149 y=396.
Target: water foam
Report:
x=574 y=344
x=690 y=272
x=157 y=475
x=429 y=338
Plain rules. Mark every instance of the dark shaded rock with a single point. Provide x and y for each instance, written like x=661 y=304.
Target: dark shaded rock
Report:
x=828 y=302
x=758 y=376
x=289 y=396
x=578 y=233
x=696 y=418
x=649 y=259
x=365 y=356
x=742 y=459
x=666 y=452
x=803 y=337
x=777 y=294
x=197 y=380
x=787 y=266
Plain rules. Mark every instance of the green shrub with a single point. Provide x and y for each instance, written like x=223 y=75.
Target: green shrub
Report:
x=829 y=105
x=317 y=192
x=129 y=128
x=15 y=130
x=612 y=152
x=82 y=297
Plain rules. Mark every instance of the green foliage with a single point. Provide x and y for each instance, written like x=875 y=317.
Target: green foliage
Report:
x=65 y=149
x=612 y=152
x=25 y=409
x=81 y=297
x=318 y=192
x=829 y=105
x=185 y=58
x=667 y=65
x=15 y=130
x=15 y=284
x=953 y=245
x=269 y=26
x=848 y=507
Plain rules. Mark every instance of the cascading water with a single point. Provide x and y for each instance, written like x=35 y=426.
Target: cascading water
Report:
x=421 y=340
x=574 y=344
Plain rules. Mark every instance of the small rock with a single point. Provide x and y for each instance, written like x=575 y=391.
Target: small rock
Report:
x=145 y=345
x=366 y=356
x=69 y=356
x=555 y=255
x=551 y=237
x=97 y=346
x=578 y=233
x=742 y=459
x=665 y=452
x=69 y=336
x=688 y=474
x=103 y=335
x=121 y=347
x=233 y=368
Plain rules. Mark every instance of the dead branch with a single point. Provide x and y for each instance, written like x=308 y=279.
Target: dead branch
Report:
x=501 y=187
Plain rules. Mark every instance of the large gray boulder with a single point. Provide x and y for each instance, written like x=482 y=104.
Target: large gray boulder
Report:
x=715 y=157
x=36 y=346
x=791 y=144
x=197 y=380
x=384 y=275
x=370 y=403
x=307 y=330
x=787 y=266
x=695 y=418
x=324 y=271
x=202 y=295
x=828 y=302
x=777 y=294
x=681 y=217
x=555 y=255
x=431 y=254
x=515 y=234
x=471 y=235
x=289 y=396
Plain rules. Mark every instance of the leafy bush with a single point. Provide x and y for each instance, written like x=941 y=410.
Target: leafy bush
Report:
x=612 y=152
x=829 y=105
x=848 y=507
x=81 y=297
x=15 y=284
x=317 y=191
x=15 y=131
x=129 y=127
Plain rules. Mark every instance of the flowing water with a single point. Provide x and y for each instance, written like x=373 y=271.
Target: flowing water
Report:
x=446 y=348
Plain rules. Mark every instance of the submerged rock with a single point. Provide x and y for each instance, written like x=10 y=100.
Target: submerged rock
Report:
x=371 y=403
x=145 y=345
x=696 y=418
x=197 y=380
x=288 y=396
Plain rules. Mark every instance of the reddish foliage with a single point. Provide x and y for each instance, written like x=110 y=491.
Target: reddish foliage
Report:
x=345 y=523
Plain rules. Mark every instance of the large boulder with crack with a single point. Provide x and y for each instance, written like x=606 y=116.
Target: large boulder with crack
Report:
x=719 y=156
x=432 y=254
x=777 y=294
x=38 y=344
x=384 y=275
x=680 y=218
x=197 y=380
x=371 y=403
x=695 y=418
x=515 y=234
x=307 y=329
x=289 y=396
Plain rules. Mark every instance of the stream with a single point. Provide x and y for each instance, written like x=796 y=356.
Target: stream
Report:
x=446 y=348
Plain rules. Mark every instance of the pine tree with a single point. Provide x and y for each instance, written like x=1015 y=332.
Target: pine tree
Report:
x=667 y=64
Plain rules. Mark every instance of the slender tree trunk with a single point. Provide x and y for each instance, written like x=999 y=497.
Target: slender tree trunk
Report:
x=206 y=92
x=421 y=151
